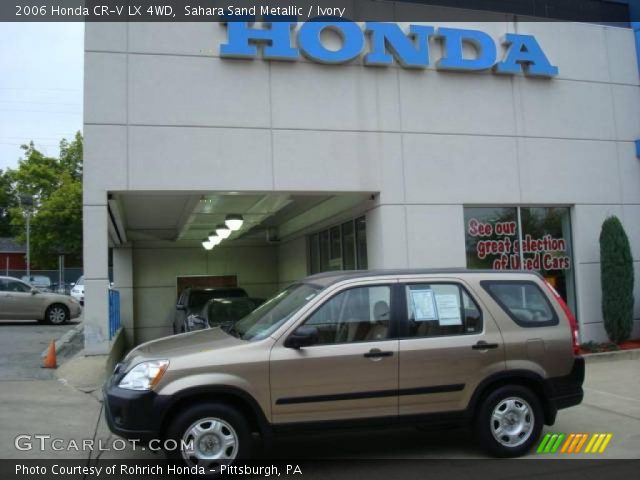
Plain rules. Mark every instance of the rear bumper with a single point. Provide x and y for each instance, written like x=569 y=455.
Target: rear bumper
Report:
x=565 y=392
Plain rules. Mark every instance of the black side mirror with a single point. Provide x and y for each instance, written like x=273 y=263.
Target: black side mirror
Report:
x=180 y=307
x=34 y=291
x=304 y=336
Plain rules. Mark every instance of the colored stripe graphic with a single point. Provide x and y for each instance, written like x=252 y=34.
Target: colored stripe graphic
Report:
x=607 y=439
x=574 y=443
x=581 y=443
x=543 y=443
x=556 y=445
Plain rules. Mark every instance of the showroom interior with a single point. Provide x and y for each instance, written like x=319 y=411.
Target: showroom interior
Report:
x=165 y=236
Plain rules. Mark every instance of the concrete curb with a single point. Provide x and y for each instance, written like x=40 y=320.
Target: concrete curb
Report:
x=65 y=340
x=612 y=356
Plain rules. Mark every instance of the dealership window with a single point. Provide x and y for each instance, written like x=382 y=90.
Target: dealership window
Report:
x=529 y=238
x=340 y=247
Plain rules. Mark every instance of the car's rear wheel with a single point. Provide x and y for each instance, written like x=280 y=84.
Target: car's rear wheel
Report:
x=57 y=314
x=509 y=421
x=209 y=435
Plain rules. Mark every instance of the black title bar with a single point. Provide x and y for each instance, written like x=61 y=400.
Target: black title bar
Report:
x=599 y=11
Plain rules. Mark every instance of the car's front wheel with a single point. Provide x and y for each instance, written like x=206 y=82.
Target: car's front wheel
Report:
x=57 y=314
x=509 y=421
x=209 y=435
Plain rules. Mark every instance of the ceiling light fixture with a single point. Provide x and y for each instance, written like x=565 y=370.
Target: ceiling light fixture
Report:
x=215 y=239
x=223 y=232
x=208 y=244
x=234 y=222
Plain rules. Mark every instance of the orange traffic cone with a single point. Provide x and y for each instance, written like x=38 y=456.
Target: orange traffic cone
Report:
x=50 y=360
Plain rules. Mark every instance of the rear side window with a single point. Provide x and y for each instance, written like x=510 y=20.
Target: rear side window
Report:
x=439 y=309
x=524 y=302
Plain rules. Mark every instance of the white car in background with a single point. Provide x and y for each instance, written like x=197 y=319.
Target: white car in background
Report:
x=77 y=291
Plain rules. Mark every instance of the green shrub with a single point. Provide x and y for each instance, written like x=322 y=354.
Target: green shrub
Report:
x=616 y=275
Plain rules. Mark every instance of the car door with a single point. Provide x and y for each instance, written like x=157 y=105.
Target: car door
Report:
x=22 y=302
x=351 y=372
x=449 y=343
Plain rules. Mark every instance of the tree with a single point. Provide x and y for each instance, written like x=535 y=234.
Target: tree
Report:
x=7 y=201
x=56 y=216
x=616 y=275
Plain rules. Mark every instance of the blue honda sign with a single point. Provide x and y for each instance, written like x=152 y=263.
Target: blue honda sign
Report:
x=383 y=44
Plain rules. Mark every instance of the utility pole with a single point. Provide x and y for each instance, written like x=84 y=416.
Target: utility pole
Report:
x=27 y=202
x=28 y=245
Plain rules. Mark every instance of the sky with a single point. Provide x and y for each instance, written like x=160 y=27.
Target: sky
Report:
x=41 y=78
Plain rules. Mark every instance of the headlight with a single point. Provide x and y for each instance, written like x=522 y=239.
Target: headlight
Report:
x=144 y=375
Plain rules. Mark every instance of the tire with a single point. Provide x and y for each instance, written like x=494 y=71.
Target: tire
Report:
x=57 y=314
x=218 y=423
x=509 y=421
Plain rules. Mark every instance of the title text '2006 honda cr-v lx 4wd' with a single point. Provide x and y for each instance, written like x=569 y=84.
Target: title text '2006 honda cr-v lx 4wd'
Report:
x=496 y=351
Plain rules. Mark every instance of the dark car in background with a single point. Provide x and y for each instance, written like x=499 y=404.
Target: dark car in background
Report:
x=222 y=312
x=192 y=300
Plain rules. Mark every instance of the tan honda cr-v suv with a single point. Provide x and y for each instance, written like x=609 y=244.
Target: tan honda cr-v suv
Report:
x=496 y=351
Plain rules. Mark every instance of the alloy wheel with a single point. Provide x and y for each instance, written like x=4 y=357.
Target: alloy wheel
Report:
x=512 y=422
x=210 y=442
x=57 y=315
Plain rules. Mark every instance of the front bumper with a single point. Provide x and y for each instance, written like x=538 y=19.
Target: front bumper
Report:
x=133 y=414
x=75 y=310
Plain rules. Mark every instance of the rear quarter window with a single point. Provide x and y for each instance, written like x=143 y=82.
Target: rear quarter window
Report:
x=524 y=302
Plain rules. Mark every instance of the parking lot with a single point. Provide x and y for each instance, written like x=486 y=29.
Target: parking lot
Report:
x=21 y=344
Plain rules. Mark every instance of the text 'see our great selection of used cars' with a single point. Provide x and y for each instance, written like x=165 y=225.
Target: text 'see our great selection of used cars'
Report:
x=21 y=301
x=494 y=351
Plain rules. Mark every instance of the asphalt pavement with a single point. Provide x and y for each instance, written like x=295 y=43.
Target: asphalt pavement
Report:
x=21 y=344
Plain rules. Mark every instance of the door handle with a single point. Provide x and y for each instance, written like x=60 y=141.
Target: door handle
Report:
x=482 y=345
x=377 y=353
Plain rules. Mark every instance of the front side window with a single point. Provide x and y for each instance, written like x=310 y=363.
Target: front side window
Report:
x=524 y=302
x=441 y=309
x=356 y=315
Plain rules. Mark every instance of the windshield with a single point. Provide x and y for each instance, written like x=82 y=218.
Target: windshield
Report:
x=225 y=311
x=198 y=298
x=270 y=315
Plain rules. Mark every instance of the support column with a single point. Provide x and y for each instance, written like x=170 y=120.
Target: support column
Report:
x=96 y=275
x=123 y=282
x=386 y=237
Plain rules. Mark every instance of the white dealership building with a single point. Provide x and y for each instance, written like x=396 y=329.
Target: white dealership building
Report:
x=351 y=162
